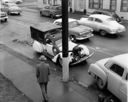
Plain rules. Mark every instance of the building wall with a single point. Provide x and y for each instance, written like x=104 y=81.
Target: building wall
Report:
x=80 y=5
x=106 y=5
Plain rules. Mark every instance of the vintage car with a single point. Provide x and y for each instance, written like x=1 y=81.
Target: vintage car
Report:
x=112 y=73
x=3 y=15
x=103 y=24
x=47 y=39
x=12 y=1
x=53 y=11
x=109 y=13
x=12 y=8
x=76 y=31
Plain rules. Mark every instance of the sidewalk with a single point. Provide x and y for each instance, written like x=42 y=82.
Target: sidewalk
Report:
x=23 y=76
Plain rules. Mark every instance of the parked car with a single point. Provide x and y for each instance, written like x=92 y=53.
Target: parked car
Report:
x=76 y=30
x=12 y=1
x=48 y=40
x=109 y=13
x=103 y=24
x=112 y=73
x=53 y=11
x=3 y=15
x=12 y=8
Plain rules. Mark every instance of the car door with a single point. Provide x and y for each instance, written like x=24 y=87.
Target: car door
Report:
x=46 y=10
x=124 y=88
x=49 y=47
x=98 y=24
x=115 y=74
x=89 y=22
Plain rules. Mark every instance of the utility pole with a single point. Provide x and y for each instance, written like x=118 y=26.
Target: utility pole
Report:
x=65 y=59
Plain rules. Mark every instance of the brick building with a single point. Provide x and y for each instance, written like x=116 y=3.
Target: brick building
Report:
x=120 y=6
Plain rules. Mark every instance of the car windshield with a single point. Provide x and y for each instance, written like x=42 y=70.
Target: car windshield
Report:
x=55 y=31
x=73 y=24
x=110 y=19
x=56 y=7
x=12 y=5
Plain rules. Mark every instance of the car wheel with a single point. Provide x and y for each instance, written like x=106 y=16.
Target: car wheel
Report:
x=51 y=16
x=72 y=38
x=5 y=20
x=8 y=13
x=103 y=32
x=100 y=84
x=40 y=13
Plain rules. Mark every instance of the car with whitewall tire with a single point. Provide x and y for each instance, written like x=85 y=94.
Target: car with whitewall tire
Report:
x=112 y=73
x=76 y=30
x=103 y=24
x=47 y=39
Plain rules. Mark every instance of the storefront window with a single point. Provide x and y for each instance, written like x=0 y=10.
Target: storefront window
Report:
x=55 y=2
x=44 y=1
x=124 y=5
x=113 y=5
x=95 y=4
x=50 y=2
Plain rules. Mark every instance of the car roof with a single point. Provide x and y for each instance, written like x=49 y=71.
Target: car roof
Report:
x=103 y=17
x=105 y=10
x=46 y=26
x=122 y=60
x=69 y=20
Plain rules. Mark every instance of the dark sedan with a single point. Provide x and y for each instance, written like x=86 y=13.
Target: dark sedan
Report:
x=53 y=11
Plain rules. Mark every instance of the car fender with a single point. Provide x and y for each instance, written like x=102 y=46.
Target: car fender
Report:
x=55 y=58
x=95 y=70
x=38 y=47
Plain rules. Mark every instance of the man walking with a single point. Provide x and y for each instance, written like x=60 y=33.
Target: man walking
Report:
x=42 y=74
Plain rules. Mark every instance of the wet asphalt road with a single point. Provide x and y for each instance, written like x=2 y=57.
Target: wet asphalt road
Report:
x=17 y=27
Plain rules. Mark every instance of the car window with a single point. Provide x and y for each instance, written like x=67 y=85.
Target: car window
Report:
x=58 y=23
x=110 y=19
x=90 y=18
x=46 y=7
x=56 y=8
x=117 y=69
x=73 y=24
x=98 y=20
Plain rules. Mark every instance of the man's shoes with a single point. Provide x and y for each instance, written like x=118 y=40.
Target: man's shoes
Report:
x=45 y=100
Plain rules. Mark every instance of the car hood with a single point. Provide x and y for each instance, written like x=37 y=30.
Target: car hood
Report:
x=81 y=29
x=102 y=62
x=71 y=45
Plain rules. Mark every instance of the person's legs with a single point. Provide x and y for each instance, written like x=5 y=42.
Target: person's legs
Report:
x=44 y=92
x=45 y=84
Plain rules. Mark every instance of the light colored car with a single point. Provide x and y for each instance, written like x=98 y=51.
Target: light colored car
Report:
x=103 y=24
x=112 y=73
x=48 y=40
x=3 y=15
x=76 y=30
x=12 y=1
x=12 y=8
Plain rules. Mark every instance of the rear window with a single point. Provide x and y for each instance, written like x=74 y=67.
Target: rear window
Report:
x=73 y=24
x=111 y=19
